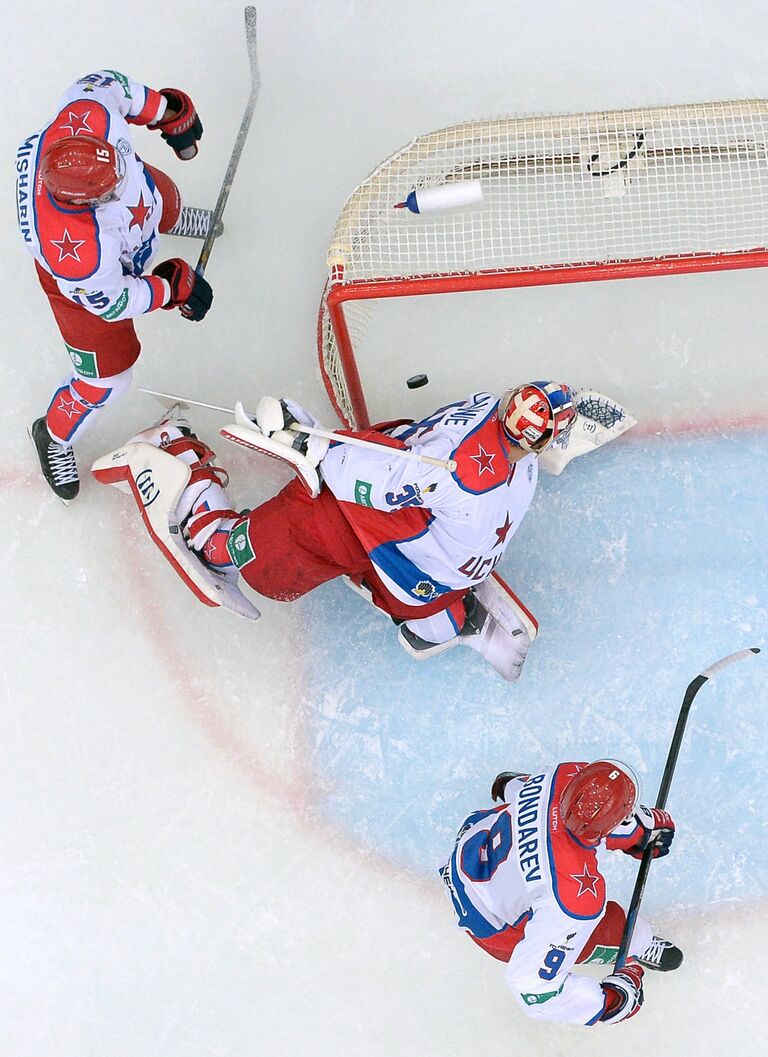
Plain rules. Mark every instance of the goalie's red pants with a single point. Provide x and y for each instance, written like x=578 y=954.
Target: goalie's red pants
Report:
x=298 y=543
x=607 y=933
x=115 y=345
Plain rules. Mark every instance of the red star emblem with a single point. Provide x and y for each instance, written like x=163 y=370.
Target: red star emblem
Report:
x=484 y=460
x=78 y=123
x=139 y=213
x=68 y=407
x=68 y=247
x=502 y=531
x=587 y=883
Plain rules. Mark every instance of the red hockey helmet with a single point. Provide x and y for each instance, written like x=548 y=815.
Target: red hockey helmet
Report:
x=598 y=798
x=534 y=414
x=82 y=170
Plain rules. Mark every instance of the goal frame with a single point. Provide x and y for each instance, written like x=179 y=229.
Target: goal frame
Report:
x=339 y=291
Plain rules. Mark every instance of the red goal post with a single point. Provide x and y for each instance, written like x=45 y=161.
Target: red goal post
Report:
x=565 y=198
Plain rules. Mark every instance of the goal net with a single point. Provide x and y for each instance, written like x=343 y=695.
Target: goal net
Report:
x=565 y=198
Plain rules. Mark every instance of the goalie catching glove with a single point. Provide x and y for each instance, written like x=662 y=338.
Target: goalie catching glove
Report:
x=599 y=419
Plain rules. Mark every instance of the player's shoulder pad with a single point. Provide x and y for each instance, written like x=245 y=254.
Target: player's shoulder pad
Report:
x=577 y=884
x=69 y=236
x=69 y=239
x=481 y=453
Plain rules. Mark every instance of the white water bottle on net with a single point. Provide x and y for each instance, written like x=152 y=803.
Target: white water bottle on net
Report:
x=563 y=198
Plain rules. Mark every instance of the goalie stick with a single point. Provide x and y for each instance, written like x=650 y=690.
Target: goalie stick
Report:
x=242 y=419
x=237 y=150
x=666 y=781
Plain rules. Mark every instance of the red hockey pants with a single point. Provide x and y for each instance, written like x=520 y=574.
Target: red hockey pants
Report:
x=298 y=543
x=607 y=934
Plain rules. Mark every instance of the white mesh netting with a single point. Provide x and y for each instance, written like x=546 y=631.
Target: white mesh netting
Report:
x=558 y=191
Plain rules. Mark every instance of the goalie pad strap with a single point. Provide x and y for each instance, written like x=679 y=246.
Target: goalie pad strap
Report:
x=185 y=444
x=202 y=521
x=210 y=473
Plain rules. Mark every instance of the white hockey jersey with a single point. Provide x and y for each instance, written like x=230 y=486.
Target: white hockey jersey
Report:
x=426 y=530
x=517 y=865
x=97 y=255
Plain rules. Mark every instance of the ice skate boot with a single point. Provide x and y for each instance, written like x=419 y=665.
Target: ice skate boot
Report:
x=661 y=955
x=57 y=461
x=420 y=649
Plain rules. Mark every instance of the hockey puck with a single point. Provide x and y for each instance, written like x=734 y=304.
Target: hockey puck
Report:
x=416 y=381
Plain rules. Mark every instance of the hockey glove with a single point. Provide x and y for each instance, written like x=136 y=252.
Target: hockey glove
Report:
x=657 y=827
x=623 y=993
x=500 y=784
x=190 y=292
x=184 y=128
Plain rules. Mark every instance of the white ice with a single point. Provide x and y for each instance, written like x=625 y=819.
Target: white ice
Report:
x=220 y=839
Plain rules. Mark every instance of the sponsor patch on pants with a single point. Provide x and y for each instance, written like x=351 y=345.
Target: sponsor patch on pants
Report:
x=84 y=362
x=239 y=545
x=602 y=955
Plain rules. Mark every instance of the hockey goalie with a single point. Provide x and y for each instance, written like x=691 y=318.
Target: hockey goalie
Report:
x=416 y=518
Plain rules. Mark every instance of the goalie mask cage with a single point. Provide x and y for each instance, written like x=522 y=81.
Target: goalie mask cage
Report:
x=566 y=198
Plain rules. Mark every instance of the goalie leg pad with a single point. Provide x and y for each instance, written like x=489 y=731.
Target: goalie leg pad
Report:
x=157 y=481
x=501 y=629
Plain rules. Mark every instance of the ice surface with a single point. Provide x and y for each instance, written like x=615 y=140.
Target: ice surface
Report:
x=220 y=839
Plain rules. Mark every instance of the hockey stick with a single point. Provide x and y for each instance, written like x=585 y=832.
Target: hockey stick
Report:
x=666 y=781
x=297 y=427
x=237 y=150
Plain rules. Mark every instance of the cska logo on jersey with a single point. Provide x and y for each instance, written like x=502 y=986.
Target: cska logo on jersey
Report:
x=587 y=882
x=480 y=458
x=139 y=213
x=502 y=532
x=68 y=247
x=77 y=123
x=484 y=460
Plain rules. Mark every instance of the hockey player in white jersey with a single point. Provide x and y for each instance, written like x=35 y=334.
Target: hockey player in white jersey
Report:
x=526 y=885
x=90 y=212
x=421 y=541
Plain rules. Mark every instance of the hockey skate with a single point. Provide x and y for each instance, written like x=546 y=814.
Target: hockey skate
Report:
x=57 y=461
x=661 y=955
x=195 y=224
x=420 y=649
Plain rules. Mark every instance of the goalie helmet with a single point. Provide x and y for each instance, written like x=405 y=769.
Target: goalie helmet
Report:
x=598 y=798
x=535 y=414
x=82 y=170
